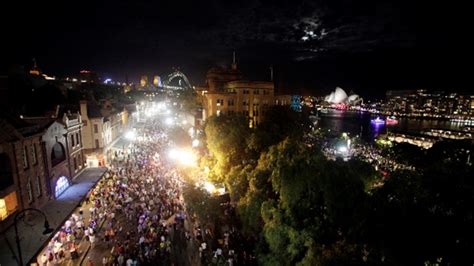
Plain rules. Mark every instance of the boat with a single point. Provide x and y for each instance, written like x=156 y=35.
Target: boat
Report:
x=377 y=121
x=392 y=120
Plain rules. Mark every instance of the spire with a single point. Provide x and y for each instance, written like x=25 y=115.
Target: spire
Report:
x=271 y=72
x=234 y=64
x=35 y=70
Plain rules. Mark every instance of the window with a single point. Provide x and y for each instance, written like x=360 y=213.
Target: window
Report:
x=8 y=205
x=28 y=190
x=61 y=185
x=75 y=164
x=78 y=140
x=255 y=109
x=246 y=91
x=220 y=102
x=96 y=128
x=38 y=186
x=33 y=154
x=57 y=154
x=230 y=102
x=96 y=143
x=72 y=140
x=218 y=113
x=256 y=92
x=25 y=158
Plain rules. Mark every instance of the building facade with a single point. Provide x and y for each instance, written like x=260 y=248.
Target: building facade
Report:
x=74 y=148
x=101 y=128
x=421 y=103
x=62 y=145
x=23 y=174
x=226 y=93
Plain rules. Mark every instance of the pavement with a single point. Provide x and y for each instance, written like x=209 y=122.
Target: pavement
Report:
x=57 y=211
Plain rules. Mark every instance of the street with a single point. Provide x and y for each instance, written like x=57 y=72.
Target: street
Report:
x=134 y=215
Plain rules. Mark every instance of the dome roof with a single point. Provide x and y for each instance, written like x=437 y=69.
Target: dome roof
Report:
x=352 y=98
x=339 y=96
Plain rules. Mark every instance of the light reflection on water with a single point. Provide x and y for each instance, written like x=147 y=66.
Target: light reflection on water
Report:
x=356 y=123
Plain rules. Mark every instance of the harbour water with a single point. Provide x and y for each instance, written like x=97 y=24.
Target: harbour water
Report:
x=358 y=123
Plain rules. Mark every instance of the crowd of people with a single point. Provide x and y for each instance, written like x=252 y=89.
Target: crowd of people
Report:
x=134 y=209
x=136 y=213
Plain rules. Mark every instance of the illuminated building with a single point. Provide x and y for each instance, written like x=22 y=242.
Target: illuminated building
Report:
x=421 y=103
x=157 y=81
x=35 y=70
x=87 y=76
x=143 y=81
x=226 y=93
x=102 y=126
x=340 y=96
x=22 y=172
x=38 y=159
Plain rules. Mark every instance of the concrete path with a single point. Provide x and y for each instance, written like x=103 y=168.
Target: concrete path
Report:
x=31 y=238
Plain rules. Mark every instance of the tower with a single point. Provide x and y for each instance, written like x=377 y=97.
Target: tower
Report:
x=271 y=72
x=35 y=70
x=143 y=81
x=157 y=81
x=234 y=64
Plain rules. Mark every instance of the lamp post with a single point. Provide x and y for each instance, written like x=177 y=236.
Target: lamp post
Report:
x=47 y=229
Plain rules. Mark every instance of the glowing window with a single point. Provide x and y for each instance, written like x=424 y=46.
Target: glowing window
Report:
x=61 y=185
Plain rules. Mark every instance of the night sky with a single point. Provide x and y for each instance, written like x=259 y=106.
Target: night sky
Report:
x=365 y=46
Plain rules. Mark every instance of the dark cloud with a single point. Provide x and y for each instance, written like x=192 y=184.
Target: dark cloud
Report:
x=134 y=37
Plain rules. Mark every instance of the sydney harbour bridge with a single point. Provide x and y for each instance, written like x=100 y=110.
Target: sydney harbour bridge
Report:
x=168 y=83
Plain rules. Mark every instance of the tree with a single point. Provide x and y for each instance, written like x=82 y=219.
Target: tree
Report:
x=226 y=137
x=207 y=208
x=309 y=210
x=278 y=123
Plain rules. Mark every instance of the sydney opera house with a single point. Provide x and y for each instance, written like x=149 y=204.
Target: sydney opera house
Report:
x=340 y=96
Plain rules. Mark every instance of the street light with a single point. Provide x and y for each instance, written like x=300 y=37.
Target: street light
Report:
x=47 y=230
x=131 y=135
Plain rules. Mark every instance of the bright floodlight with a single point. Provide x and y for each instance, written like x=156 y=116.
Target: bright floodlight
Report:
x=131 y=135
x=169 y=121
x=173 y=154
x=209 y=187
x=342 y=149
x=187 y=158
x=195 y=143
x=183 y=157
